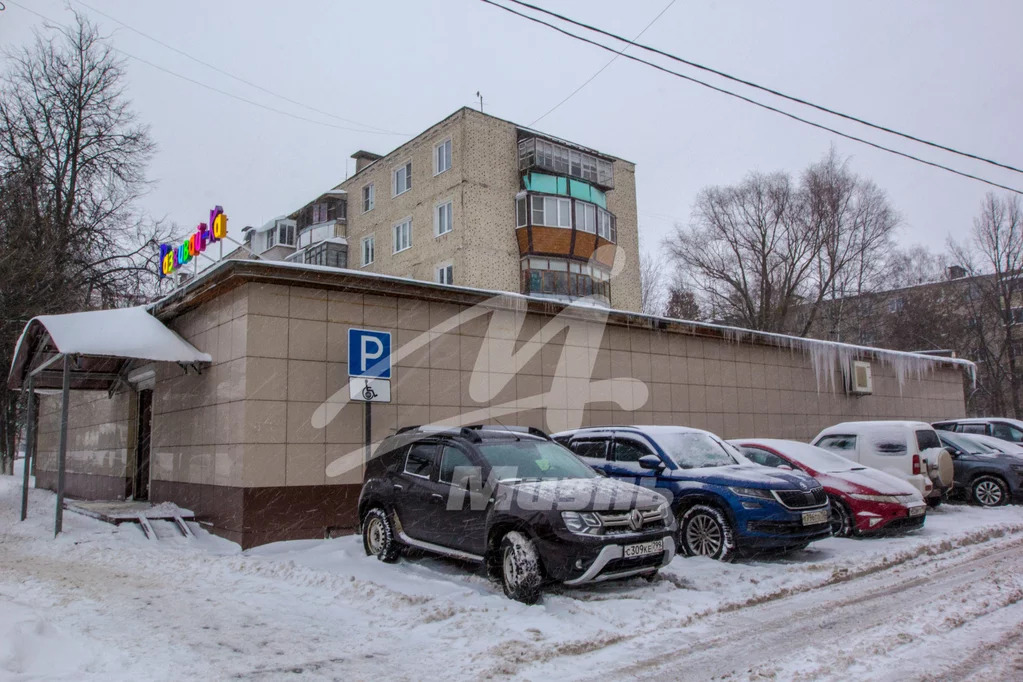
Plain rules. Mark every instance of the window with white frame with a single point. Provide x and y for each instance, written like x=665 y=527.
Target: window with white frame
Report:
x=445 y=273
x=271 y=238
x=442 y=157
x=521 y=210
x=402 y=178
x=552 y=211
x=586 y=217
x=403 y=235
x=368 y=248
x=368 y=197
x=442 y=220
x=606 y=225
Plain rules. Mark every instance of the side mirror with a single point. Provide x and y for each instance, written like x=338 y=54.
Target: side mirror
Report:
x=652 y=462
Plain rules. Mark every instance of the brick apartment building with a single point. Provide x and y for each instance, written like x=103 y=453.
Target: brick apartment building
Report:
x=480 y=202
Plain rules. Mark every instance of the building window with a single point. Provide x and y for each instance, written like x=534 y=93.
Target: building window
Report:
x=368 y=248
x=271 y=238
x=442 y=157
x=287 y=234
x=895 y=305
x=565 y=161
x=586 y=217
x=403 y=178
x=552 y=211
x=403 y=235
x=606 y=225
x=368 y=197
x=445 y=274
x=333 y=255
x=442 y=220
x=558 y=277
x=521 y=211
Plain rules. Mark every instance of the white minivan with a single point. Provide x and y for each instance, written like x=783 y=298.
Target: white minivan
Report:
x=909 y=450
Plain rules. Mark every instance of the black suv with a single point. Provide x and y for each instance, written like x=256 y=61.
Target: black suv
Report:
x=515 y=501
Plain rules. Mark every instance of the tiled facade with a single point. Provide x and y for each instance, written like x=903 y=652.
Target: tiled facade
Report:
x=238 y=443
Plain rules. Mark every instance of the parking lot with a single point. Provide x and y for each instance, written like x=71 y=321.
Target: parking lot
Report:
x=105 y=603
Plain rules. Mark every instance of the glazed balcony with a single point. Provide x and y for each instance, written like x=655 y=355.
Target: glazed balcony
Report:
x=539 y=154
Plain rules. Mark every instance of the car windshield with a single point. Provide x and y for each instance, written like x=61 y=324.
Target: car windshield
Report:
x=533 y=460
x=818 y=459
x=695 y=450
x=967 y=444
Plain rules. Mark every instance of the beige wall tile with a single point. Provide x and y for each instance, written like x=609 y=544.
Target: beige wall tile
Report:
x=267 y=336
x=306 y=464
x=299 y=422
x=263 y=465
x=266 y=421
x=307 y=340
x=307 y=303
x=266 y=379
x=307 y=381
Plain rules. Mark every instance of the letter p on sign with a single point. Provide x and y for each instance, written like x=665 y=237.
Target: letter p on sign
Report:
x=369 y=354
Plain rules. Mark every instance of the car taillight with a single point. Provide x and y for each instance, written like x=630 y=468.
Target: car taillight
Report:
x=916 y=465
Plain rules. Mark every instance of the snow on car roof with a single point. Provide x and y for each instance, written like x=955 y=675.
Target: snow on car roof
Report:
x=878 y=424
x=652 y=429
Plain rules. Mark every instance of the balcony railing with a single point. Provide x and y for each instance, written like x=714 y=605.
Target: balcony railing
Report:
x=557 y=158
x=321 y=231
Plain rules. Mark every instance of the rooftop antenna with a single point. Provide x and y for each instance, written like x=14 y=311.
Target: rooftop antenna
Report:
x=481 y=100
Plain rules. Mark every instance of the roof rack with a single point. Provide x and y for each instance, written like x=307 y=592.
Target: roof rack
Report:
x=531 y=430
x=464 y=431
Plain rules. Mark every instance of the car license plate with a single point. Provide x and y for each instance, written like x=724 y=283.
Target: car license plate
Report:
x=815 y=517
x=917 y=511
x=645 y=548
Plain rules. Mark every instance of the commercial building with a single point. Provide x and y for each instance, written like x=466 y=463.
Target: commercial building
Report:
x=480 y=202
x=264 y=442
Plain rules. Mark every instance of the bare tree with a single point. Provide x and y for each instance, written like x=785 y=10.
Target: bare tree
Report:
x=72 y=164
x=993 y=257
x=681 y=301
x=765 y=253
x=651 y=281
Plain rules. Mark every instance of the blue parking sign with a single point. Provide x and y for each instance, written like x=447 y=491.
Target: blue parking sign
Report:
x=369 y=353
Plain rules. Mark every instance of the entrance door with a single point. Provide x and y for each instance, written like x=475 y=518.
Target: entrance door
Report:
x=140 y=483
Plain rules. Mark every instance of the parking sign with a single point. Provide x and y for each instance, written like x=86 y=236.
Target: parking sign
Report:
x=369 y=354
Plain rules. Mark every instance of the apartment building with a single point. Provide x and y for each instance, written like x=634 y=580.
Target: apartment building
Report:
x=481 y=202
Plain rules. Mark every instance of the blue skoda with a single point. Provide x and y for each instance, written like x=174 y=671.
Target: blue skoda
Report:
x=724 y=503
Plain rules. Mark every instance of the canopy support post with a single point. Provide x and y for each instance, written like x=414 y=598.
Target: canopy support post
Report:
x=30 y=444
x=62 y=451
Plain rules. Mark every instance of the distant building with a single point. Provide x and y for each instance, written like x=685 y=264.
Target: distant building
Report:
x=480 y=202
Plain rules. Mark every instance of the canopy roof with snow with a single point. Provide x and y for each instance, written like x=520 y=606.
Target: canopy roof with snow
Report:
x=104 y=342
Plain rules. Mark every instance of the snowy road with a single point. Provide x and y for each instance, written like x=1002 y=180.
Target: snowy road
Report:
x=105 y=603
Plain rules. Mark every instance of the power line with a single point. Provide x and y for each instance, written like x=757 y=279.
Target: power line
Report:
x=609 y=63
x=771 y=91
x=754 y=102
x=236 y=77
x=218 y=90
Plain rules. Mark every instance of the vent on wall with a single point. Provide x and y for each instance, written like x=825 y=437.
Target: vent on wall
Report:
x=860 y=380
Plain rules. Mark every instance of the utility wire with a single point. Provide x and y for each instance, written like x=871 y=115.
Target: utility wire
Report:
x=771 y=91
x=233 y=76
x=215 y=89
x=609 y=63
x=754 y=102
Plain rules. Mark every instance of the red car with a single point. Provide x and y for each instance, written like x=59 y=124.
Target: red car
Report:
x=863 y=500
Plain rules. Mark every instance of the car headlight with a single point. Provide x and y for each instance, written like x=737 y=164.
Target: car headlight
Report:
x=582 y=523
x=891 y=499
x=753 y=492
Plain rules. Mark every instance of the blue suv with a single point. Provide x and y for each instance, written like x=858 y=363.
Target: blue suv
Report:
x=724 y=503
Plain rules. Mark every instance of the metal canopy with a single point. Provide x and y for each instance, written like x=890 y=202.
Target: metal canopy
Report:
x=87 y=351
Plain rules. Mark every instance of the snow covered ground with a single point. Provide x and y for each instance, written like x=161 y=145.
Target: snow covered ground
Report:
x=102 y=602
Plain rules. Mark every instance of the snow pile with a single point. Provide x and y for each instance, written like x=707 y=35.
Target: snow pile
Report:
x=102 y=602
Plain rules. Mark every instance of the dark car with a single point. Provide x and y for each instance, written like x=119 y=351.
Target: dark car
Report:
x=983 y=474
x=723 y=503
x=515 y=501
x=1002 y=428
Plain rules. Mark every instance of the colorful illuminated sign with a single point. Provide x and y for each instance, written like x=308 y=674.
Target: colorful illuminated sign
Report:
x=173 y=257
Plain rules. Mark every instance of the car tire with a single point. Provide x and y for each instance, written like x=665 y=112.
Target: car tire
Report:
x=521 y=574
x=933 y=502
x=989 y=491
x=378 y=537
x=704 y=531
x=842 y=525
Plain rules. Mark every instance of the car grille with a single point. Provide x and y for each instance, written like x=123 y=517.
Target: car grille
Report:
x=633 y=563
x=618 y=522
x=785 y=527
x=801 y=499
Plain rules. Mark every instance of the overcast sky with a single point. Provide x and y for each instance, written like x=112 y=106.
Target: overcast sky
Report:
x=946 y=71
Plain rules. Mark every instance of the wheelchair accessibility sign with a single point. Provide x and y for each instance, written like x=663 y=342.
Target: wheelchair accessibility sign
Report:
x=369 y=365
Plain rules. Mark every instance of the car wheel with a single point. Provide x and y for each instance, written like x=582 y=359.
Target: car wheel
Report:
x=989 y=491
x=841 y=519
x=378 y=537
x=933 y=502
x=704 y=531
x=521 y=575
